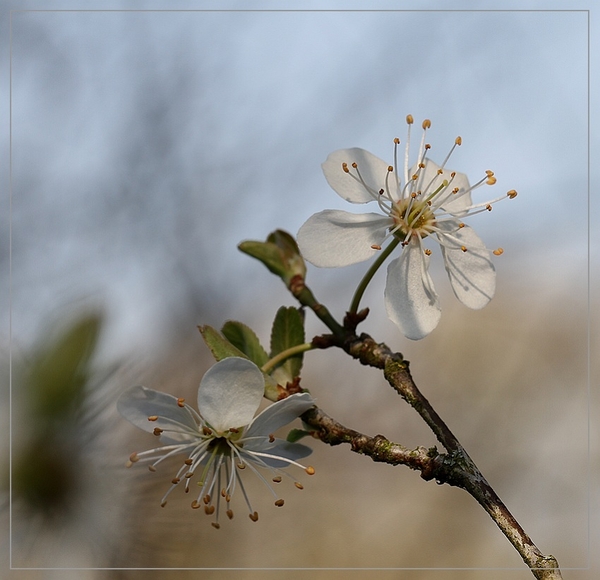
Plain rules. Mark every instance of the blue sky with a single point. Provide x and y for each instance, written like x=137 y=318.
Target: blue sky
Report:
x=146 y=145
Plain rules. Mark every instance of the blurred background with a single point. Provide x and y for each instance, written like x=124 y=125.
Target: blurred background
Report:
x=145 y=145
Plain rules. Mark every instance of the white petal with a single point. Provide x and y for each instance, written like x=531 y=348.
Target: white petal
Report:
x=280 y=448
x=472 y=273
x=410 y=298
x=454 y=203
x=230 y=393
x=138 y=403
x=279 y=414
x=334 y=238
x=372 y=170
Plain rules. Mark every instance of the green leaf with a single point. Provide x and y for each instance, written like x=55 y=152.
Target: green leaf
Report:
x=280 y=254
x=287 y=331
x=296 y=434
x=221 y=348
x=244 y=338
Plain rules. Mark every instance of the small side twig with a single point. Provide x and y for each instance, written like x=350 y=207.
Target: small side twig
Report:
x=455 y=468
x=463 y=472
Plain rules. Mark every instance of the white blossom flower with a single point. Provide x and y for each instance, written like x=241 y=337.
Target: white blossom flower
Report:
x=429 y=202
x=224 y=438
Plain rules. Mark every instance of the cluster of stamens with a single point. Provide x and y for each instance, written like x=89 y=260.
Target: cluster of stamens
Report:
x=416 y=208
x=221 y=457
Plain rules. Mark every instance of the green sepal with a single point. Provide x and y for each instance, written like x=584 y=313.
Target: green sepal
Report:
x=280 y=254
x=221 y=348
x=244 y=338
x=287 y=331
x=296 y=434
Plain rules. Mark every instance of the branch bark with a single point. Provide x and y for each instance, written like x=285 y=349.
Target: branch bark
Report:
x=455 y=467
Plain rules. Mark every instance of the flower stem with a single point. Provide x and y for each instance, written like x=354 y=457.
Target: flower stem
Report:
x=304 y=295
x=360 y=289
x=285 y=354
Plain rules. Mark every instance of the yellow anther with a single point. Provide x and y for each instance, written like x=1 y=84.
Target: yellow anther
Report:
x=196 y=504
x=355 y=165
x=453 y=174
x=440 y=171
x=415 y=177
x=375 y=247
x=463 y=248
x=223 y=493
x=427 y=252
x=189 y=474
x=345 y=167
x=422 y=165
x=498 y=252
x=157 y=431
x=151 y=468
x=153 y=418
x=229 y=514
x=181 y=402
x=209 y=510
x=489 y=172
x=279 y=502
x=455 y=190
x=189 y=461
x=414 y=194
x=390 y=168
x=396 y=141
x=241 y=465
x=491 y=180
x=427 y=146
x=458 y=140
x=253 y=516
x=488 y=207
x=206 y=430
x=409 y=119
x=512 y=194
x=206 y=499
x=134 y=457
x=461 y=225
x=277 y=479
x=175 y=480
x=426 y=124
x=310 y=470
x=298 y=485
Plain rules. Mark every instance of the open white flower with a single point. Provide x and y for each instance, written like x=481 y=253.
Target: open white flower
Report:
x=430 y=201
x=224 y=438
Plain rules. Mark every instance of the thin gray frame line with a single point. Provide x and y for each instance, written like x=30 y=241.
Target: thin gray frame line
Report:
x=586 y=11
x=319 y=10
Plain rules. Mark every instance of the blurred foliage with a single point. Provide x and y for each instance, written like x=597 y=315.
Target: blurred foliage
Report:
x=60 y=370
x=53 y=389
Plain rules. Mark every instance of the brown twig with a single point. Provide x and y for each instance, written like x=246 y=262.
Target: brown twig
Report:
x=454 y=468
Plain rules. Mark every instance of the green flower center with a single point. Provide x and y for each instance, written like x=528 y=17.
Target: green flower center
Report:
x=412 y=217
